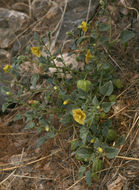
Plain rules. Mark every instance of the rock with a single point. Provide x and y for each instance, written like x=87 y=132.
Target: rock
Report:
x=20 y=44
x=11 y=22
x=51 y=14
x=4 y=57
x=76 y=12
x=41 y=7
x=22 y=7
x=68 y=60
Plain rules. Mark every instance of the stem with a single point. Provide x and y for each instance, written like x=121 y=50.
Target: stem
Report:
x=101 y=77
x=110 y=35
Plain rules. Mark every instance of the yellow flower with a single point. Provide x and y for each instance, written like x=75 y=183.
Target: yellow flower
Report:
x=100 y=150
x=36 y=51
x=66 y=102
x=7 y=68
x=88 y=56
x=83 y=26
x=79 y=116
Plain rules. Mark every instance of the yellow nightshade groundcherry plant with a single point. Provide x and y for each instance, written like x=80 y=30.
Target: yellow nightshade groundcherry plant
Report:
x=81 y=103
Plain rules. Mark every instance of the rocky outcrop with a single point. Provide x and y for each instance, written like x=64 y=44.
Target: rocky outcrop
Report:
x=11 y=22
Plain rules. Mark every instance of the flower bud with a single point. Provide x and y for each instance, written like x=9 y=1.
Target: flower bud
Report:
x=66 y=102
x=47 y=128
x=55 y=87
x=92 y=140
x=100 y=150
x=8 y=93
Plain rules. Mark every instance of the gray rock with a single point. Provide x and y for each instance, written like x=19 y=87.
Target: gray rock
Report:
x=76 y=12
x=11 y=22
x=22 y=7
x=5 y=57
x=41 y=7
x=20 y=44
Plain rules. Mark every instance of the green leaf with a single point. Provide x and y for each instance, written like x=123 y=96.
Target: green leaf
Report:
x=41 y=141
x=18 y=117
x=83 y=134
x=107 y=123
x=59 y=59
x=43 y=122
x=107 y=89
x=34 y=80
x=29 y=115
x=107 y=106
x=36 y=36
x=4 y=89
x=111 y=152
x=4 y=106
x=88 y=178
x=126 y=35
x=103 y=39
x=118 y=83
x=105 y=131
x=81 y=39
x=30 y=125
x=75 y=144
x=94 y=129
x=97 y=165
x=83 y=153
x=19 y=92
x=81 y=171
x=103 y=27
x=94 y=175
x=96 y=143
x=112 y=135
x=112 y=98
x=95 y=101
x=51 y=134
x=66 y=118
x=121 y=140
